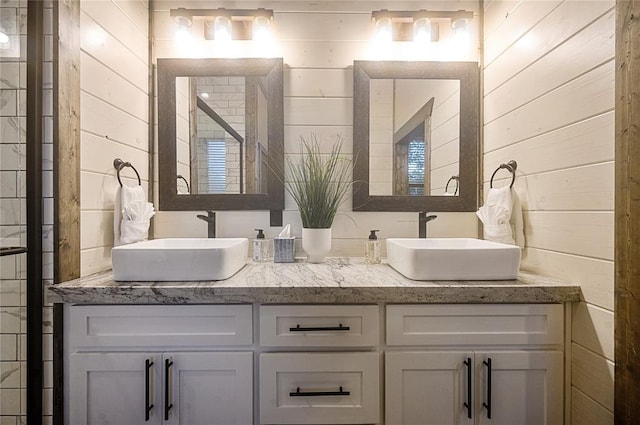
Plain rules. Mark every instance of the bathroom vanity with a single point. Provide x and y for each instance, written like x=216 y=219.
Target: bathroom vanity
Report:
x=335 y=343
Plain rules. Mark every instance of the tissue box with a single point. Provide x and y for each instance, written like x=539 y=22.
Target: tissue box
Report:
x=284 y=250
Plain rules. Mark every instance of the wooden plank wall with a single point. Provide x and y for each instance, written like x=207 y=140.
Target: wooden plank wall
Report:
x=627 y=337
x=114 y=115
x=319 y=42
x=549 y=104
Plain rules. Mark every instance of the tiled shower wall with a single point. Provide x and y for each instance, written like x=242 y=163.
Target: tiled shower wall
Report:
x=13 y=84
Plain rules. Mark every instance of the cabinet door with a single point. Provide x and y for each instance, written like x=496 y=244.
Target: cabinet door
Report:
x=526 y=387
x=110 y=389
x=429 y=388
x=208 y=388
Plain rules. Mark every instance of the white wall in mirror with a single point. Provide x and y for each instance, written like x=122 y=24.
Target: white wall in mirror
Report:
x=318 y=44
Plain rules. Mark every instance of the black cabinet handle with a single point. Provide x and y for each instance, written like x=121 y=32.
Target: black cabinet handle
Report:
x=320 y=328
x=467 y=363
x=299 y=393
x=487 y=405
x=167 y=375
x=147 y=376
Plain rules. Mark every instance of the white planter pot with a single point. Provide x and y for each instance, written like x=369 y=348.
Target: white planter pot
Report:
x=316 y=243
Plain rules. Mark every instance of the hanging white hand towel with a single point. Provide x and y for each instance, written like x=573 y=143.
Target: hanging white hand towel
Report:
x=501 y=215
x=131 y=215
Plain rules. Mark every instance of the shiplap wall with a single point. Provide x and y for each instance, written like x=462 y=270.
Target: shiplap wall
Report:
x=318 y=42
x=113 y=116
x=549 y=104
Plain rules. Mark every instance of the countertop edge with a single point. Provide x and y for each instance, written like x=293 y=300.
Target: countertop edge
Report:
x=345 y=283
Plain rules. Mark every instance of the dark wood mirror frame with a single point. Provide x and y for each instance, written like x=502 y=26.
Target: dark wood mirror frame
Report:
x=469 y=76
x=168 y=70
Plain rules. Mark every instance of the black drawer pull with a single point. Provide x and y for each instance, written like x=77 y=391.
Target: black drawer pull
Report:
x=167 y=378
x=299 y=393
x=467 y=405
x=487 y=405
x=147 y=403
x=320 y=328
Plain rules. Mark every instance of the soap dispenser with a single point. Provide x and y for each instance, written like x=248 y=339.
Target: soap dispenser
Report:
x=372 y=249
x=260 y=247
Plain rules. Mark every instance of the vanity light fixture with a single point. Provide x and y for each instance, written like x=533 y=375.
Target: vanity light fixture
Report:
x=420 y=25
x=228 y=24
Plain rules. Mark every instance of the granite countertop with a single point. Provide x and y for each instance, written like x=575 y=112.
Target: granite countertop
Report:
x=337 y=281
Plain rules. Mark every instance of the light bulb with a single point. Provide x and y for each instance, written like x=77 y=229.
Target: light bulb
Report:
x=222 y=28
x=183 y=33
x=459 y=27
x=261 y=26
x=422 y=30
x=4 y=38
x=384 y=28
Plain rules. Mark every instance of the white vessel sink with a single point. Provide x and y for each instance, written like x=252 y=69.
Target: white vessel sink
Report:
x=179 y=259
x=453 y=259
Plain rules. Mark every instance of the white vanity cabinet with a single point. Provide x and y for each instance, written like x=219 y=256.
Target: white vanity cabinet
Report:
x=481 y=364
x=381 y=364
x=159 y=364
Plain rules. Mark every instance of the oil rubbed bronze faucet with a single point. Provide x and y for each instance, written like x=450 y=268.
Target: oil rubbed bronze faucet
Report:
x=423 y=219
x=210 y=218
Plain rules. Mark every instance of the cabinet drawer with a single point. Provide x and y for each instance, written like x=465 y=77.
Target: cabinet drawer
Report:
x=480 y=324
x=160 y=325
x=319 y=326
x=319 y=388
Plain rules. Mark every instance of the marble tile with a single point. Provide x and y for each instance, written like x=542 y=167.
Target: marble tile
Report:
x=10 y=293
x=8 y=184
x=22 y=347
x=8 y=103
x=8 y=269
x=47 y=184
x=11 y=131
x=12 y=157
x=10 y=211
x=47 y=130
x=10 y=401
x=9 y=320
x=8 y=347
x=10 y=375
x=47 y=211
x=9 y=18
x=8 y=420
x=47 y=320
x=9 y=75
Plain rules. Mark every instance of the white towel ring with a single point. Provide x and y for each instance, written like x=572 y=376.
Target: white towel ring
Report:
x=119 y=164
x=511 y=166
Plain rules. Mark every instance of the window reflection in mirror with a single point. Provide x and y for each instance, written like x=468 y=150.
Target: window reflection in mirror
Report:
x=414 y=136
x=221 y=134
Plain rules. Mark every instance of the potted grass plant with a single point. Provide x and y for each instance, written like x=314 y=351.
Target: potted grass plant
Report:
x=319 y=183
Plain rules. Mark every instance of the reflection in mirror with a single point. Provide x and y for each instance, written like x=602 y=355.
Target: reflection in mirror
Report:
x=414 y=136
x=220 y=134
x=415 y=131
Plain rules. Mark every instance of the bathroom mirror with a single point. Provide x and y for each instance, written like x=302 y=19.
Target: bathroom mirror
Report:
x=220 y=134
x=416 y=136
